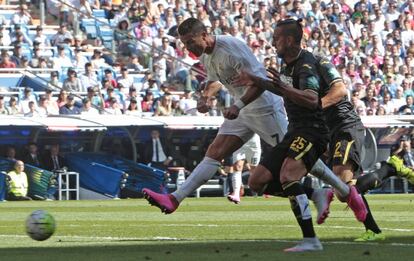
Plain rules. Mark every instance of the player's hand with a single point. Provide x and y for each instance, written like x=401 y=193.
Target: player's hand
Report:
x=202 y=105
x=244 y=79
x=272 y=74
x=231 y=113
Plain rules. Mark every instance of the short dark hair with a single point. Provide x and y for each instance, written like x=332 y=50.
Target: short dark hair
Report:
x=292 y=27
x=191 y=25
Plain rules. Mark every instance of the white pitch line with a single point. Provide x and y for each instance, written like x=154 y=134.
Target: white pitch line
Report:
x=216 y=241
x=237 y=225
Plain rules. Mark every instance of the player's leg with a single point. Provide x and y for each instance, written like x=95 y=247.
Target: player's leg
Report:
x=324 y=173
x=231 y=136
x=400 y=169
x=345 y=157
x=301 y=155
x=236 y=181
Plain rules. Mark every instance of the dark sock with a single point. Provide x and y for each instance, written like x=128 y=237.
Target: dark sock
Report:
x=367 y=182
x=308 y=191
x=370 y=223
x=274 y=188
x=300 y=207
x=386 y=171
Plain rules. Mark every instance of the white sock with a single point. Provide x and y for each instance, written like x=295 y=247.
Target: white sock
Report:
x=321 y=171
x=204 y=171
x=236 y=181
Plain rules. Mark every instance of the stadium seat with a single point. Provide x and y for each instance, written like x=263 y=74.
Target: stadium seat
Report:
x=98 y=13
x=89 y=27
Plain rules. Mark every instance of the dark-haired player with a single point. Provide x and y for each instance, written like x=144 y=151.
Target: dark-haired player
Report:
x=254 y=110
x=302 y=87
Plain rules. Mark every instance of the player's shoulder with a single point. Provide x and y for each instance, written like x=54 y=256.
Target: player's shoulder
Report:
x=307 y=62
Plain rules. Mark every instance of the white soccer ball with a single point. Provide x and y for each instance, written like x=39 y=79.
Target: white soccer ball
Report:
x=40 y=225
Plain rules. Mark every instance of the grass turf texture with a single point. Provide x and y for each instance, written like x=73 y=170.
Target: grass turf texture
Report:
x=202 y=229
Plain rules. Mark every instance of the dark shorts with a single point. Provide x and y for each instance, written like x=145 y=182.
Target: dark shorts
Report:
x=307 y=145
x=346 y=146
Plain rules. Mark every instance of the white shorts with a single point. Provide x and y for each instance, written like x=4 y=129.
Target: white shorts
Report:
x=250 y=151
x=271 y=126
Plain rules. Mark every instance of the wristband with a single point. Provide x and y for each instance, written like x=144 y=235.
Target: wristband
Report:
x=239 y=104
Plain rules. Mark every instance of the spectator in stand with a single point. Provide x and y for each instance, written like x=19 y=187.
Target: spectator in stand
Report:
x=6 y=62
x=188 y=104
x=133 y=94
x=90 y=77
x=113 y=107
x=72 y=83
x=40 y=37
x=54 y=83
x=61 y=61
x=22 y=16
x=123 y=37
x=133 y=63
x=163 y=107
x=387 y=105
x=14 y=108
x=5 y=39
x=112 y=93
x=95 y=97
x=51 y=104
x=125 y=79
x=26 y=99
x=147 y=103
x=61 y=35
x=175 y=106
x=214 y=109
x=24 y=62
x=19 y=37
x=407 y=109
x=32 y=111
x=79 y=60
x=37 y=54
x=97 y=60
x=19 y=185
x=17 y=55
x=133 y=108
x=62 y=98
x=3 y=109
x=87 y=108
x=42 y=108
x=399 y=99
x=69 y=108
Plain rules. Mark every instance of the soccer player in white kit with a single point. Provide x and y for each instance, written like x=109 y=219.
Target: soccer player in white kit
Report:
x=248 y=154
x=254 y=111
x=224 y=57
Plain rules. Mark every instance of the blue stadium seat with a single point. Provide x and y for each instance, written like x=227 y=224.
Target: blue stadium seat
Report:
x=98 y=13
x=89 y=27
x=106 y=36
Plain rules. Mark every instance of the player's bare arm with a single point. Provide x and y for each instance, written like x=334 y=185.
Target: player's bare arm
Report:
x=335 y=94
x=245 y=79
x=211 y=88
x=306 y=98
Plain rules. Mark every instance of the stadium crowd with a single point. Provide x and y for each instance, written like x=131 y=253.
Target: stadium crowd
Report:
x=371 y=43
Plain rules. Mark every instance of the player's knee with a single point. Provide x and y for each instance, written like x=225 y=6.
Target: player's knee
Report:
x=259 y=178
x=215 y=152
x=292 y=170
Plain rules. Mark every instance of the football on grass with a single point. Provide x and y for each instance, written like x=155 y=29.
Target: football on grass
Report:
x=40 y=225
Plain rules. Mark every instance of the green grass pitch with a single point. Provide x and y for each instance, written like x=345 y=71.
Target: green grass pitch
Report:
x=202 y=229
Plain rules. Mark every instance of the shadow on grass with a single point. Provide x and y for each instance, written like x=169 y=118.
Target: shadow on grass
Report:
x=401 y=248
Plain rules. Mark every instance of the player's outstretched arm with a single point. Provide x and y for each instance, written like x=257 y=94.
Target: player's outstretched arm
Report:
x=245 y=79
x=334 y=95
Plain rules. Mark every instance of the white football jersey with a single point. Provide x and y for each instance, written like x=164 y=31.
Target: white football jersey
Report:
x=231 y=57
